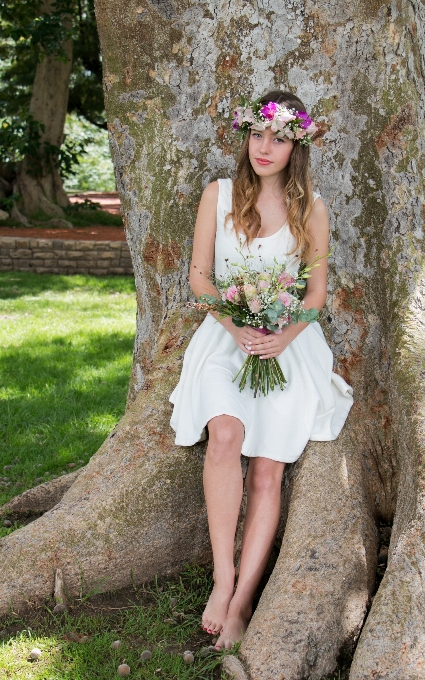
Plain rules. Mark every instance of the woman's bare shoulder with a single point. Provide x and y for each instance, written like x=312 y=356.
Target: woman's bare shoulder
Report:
x=210 y=193
x=319 y=208
x=318 y=220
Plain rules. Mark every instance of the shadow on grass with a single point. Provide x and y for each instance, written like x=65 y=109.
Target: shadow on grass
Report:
x=18 y=284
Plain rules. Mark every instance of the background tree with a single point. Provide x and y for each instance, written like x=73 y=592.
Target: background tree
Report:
x=172 y=74
x=48 y=49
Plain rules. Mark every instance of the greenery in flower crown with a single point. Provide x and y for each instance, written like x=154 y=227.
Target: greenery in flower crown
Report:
x=284 y=122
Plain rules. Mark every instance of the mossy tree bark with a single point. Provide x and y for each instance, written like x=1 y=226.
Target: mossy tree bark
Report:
x=172 y=74
x=38 y=181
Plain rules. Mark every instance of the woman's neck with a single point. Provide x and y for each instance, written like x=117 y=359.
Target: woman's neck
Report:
x=272 y=186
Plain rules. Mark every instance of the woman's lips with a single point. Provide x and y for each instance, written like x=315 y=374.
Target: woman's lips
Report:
x=263 y=161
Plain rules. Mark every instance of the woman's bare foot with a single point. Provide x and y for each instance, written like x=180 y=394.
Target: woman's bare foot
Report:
x=215 y=612
x=234 y=627
x=232 y=632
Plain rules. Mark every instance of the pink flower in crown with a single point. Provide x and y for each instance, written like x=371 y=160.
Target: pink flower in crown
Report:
x=286 y=279
x=285 y=298
x=238 y=113
x=232 y=294
x=285 y=116
x=312 y=128
x=255 y=305
x=305 y=119
x=300 y=134
x=269 y=110
x=248 y=116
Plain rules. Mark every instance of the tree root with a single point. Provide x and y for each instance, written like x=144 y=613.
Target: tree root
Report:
x=136 y=510
x=392 y=644
x=316 y=599
x=19 y=217
x=40 y=499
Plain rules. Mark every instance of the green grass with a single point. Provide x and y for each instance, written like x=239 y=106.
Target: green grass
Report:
x=65 y=357
x=83 y=217
x=163 y=619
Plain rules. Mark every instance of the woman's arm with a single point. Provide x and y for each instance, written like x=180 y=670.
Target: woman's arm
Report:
x=272 y=345
x=204 y=243
x=202 y=261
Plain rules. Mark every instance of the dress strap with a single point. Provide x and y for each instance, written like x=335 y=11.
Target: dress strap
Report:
x=224 y=202
x=315 y=195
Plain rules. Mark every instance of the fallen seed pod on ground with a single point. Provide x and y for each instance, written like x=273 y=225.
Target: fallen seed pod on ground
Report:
x=188 y=657
x=35 y=653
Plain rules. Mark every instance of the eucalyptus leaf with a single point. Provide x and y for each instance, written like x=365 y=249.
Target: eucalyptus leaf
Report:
x=208 y=299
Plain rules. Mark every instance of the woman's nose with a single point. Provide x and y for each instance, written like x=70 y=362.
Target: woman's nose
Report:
x=265 y=145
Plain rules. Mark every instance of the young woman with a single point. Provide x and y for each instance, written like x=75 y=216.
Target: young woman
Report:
x=271 y=210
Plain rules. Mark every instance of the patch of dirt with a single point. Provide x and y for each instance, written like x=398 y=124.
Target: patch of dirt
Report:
x=108 y=200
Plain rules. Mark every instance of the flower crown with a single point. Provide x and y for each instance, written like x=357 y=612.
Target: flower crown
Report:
x=296 y=125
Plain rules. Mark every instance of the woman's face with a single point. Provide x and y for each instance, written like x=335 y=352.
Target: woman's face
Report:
x=269 y=154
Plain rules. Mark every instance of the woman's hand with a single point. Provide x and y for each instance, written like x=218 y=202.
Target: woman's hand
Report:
x=244 y=337
x=270 y=346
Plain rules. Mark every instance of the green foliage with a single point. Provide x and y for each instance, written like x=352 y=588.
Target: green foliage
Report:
x=86 y=90
x=88 y=218
x=24 y=25
x=65 y=358
x=89 y=161
x=20 y=137
x=26 y=36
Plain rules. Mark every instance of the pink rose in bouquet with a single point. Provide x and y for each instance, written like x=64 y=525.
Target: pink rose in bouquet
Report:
x=250 y=291
x=286 y=279
x=232 y=294
x=255 y=305
x=285 y=298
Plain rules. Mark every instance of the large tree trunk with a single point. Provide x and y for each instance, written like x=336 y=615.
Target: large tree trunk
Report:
x=43 y=189
x=172 y=73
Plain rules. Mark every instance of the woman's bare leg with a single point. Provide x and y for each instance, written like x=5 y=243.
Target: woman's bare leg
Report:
x=263 y=484
x=223 y=487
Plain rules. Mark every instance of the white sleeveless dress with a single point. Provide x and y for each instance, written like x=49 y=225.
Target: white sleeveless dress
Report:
x=315 y=403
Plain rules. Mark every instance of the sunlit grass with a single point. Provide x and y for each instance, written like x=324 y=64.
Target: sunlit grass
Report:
x=65 y=358
x=164 y=620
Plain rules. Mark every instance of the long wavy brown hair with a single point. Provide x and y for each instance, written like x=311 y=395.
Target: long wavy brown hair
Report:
x=298 y=192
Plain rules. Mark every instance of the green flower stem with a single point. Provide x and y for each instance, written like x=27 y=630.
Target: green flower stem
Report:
x=266 y=374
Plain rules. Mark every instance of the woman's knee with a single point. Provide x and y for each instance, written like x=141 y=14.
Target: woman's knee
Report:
x=264 y=475
x=225 y=437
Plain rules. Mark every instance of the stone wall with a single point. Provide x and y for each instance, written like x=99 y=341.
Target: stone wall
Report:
x=54 y=256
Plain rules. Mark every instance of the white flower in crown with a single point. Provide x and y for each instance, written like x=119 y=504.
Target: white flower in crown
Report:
x=282 y=121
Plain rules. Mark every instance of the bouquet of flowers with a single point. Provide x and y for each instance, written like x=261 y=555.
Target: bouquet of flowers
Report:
x=267 y=300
